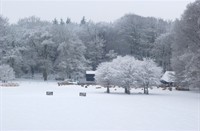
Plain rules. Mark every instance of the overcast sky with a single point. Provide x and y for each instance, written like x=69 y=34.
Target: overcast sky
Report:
x=98 y=10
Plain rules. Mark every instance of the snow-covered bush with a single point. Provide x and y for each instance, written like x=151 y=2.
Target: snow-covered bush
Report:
x=128 y=72
x=6 y=73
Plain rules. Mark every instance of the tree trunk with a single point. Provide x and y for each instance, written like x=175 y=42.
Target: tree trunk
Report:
x=32 y=71
x=45 y=74
x=127 y=90
x=147 y=91
x=108 y=90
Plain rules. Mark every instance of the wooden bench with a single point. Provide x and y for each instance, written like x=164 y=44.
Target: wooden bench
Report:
x=82 y=94
x=49 y=93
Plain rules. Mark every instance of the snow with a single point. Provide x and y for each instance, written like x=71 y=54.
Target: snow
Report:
x=168 y=76
x=27 y=107
x=90 y=72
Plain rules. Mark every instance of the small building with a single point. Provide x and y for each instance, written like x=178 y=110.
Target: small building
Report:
x=168 y=78
x=90 y=75
x=89 y=78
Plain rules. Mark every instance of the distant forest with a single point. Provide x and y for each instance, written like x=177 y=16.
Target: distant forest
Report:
x=62 y=48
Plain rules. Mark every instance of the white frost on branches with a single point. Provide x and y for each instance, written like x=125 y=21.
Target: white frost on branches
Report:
x=128 y=72
x=6 y=73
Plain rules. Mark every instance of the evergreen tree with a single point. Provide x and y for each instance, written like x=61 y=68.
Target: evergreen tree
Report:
x=62 y=22
x=68 y=21
x=55 y=21
x=83 y=21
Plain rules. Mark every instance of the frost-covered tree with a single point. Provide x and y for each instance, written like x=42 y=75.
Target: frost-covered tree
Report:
x=29 y=40
x=40 y=49
x=55 y=21
x=47 y=48
x=6 y=73
x=137 y=34
x=33 y=46
x=162 y=50
x=71 y=57
x=147 y=74
x=125 y=72
x=10 y=47
x=3 y=37
x=3 y=26
x=68 y=21
x=186 y=48
x=128 y=72
x=111 y=55
x=95 y=51
x=104 y=75
x=62 y=22
x=71 y=61
x=83 y=21
x=94 y=43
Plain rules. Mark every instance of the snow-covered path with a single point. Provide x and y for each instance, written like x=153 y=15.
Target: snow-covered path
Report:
x=28 y=108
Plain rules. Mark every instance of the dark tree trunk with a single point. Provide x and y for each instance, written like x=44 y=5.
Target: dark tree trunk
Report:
x=144 y=90
x=127 y=91
x=45 y=63
x=108 y=90
x=45 y=75
x=32 y=71
x=147 y=91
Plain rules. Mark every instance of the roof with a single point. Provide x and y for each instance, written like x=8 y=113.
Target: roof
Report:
x=90 y=72
x=168 y=76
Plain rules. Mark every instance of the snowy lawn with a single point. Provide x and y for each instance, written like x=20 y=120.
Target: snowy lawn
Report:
x=27 y=107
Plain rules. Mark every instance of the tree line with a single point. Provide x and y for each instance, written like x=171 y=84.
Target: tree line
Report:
x=67 y=49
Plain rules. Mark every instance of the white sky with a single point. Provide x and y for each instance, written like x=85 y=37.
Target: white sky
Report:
x=96 y=10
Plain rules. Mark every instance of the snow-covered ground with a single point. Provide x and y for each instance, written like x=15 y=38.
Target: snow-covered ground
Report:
x=27 y=107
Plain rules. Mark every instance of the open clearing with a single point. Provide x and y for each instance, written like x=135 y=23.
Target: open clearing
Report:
x=27 y=107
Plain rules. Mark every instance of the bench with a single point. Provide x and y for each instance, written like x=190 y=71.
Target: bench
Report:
x=82 y=94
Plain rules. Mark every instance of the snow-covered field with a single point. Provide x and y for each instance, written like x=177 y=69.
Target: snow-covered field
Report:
x=27 y=107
